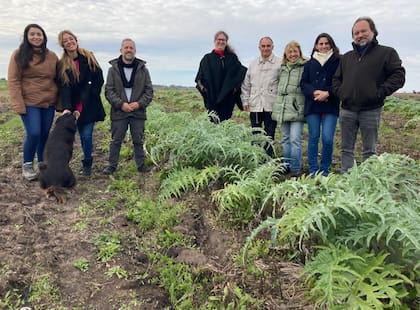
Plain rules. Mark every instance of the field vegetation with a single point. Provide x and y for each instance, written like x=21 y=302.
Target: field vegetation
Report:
x=216 y=224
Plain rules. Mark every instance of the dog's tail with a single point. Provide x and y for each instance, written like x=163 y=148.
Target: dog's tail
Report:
x=57 y=192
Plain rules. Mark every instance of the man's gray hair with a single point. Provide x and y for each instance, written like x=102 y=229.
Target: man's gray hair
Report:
x=268 y=38
x=128 y=39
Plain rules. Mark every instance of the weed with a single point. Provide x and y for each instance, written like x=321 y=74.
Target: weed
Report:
x=120 y=272
x=108 y=244
x=81 y=225
x=12 y=300
x=148 y=215
x=43 y=291
x=82 y=264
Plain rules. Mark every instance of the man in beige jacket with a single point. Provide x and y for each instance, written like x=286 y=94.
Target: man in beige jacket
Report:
x=259 y=89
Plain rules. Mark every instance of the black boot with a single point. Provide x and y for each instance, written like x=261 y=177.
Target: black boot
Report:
x=87 y=167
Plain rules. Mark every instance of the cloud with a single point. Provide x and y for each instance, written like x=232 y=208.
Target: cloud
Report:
x=172 y=36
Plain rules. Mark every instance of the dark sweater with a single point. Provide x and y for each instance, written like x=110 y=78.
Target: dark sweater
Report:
x=363 y=82
x=317 y=77
x=87 y=90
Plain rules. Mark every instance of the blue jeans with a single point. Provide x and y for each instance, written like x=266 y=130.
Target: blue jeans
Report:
x=37 y=122
x=328 y=123
x=86 y=139
x=292 y=144
x=350 y=123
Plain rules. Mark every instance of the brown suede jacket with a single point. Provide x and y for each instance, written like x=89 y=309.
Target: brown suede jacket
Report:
x=35 y=86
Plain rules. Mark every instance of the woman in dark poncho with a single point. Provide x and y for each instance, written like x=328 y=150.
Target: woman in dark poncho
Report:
x=219 y=79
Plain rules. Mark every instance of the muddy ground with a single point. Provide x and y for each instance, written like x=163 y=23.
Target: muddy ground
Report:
x=41 y=239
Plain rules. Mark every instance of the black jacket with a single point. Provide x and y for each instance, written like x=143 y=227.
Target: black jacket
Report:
x=87 y=90
x=363 y=82
x=317 y=77
x=221 y=77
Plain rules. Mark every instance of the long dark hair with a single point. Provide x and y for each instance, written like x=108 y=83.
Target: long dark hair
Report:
x=26 y=51
x=336 y=50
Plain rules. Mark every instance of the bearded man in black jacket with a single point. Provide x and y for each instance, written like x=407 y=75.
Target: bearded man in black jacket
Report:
x=365 y=76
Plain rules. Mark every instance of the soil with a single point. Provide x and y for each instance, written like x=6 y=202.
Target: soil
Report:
x=39 y=239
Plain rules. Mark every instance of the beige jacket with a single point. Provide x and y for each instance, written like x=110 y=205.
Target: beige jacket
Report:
x=259 y=88
x=34 y=86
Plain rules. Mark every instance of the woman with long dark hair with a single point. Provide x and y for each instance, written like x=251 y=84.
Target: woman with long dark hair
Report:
x=321 y=106
x=80 y=81
x=33 y=93
x=219 y=78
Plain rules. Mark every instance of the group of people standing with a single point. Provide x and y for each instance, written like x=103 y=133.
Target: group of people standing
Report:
x=292 y=90
x=40 y=84
x=287 y=91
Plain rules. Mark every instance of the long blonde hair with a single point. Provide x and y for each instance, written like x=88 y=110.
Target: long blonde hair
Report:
x=66 y=62
x=290 y=45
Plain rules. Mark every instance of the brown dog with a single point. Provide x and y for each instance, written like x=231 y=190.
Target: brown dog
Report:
x=55 y=172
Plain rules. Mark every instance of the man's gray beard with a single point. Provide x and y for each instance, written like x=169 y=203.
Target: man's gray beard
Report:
x=367 y=42
x=129 y=58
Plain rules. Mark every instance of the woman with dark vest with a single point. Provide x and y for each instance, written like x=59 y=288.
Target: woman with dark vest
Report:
x=219 y=79
x=81 y=80
x=321 y=106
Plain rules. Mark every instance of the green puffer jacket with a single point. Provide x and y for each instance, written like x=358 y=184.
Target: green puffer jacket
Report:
x=290 y=101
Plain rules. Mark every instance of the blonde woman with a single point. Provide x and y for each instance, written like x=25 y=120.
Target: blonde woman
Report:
x=289 y=106
x=80 y=81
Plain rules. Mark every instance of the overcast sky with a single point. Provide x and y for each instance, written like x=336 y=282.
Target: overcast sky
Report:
x=172 y=36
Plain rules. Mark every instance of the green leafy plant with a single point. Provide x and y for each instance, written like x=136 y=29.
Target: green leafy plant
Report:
x=344 y=279
x=233 y=298
x=194 y=141
x=118 y=271
x=11 y=300
x=149 y=215
x=43 y=292
x=373 y=209
x=108 y=244
x=178 y=280
x=82 y=264
x=186 y=179
x=241 y=200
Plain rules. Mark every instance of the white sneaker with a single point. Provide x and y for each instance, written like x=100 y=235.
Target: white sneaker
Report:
x=28 y=171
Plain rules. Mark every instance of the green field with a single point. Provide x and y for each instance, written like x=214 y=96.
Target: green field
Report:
x=214 y=225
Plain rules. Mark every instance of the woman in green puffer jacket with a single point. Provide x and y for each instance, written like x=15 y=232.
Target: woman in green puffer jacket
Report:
x=289 y=106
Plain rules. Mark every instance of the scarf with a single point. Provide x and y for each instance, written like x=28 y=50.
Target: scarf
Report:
x=361 y=49
x=122 y=65
x=219 y=52
x=290 y=64
x=321 y=57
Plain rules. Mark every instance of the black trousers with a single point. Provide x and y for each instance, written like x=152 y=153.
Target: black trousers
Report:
x=118 y=131
x=260 y=118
